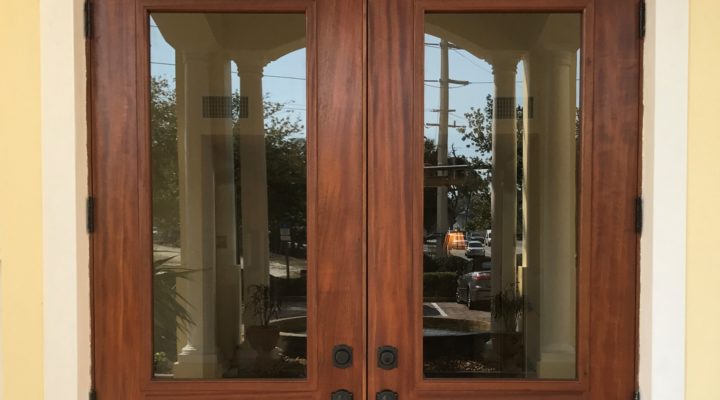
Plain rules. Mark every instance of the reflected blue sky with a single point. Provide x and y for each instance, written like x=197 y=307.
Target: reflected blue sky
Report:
x=463 y=66
x=284 y=79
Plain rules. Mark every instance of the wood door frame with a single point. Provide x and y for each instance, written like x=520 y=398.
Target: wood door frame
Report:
x=120 y=184
x=610 y=61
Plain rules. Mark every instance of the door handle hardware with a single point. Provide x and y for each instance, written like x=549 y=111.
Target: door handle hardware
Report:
x=341 y=394
x=342 y=356
x=387 y=357
x=386 y=395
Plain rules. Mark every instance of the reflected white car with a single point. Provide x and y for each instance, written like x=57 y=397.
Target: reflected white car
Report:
x=474 y=249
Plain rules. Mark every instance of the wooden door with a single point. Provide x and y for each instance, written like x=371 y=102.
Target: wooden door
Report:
x=431 y=136
x=503 y=141
x=191 y=207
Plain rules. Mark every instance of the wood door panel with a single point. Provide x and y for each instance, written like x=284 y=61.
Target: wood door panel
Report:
x=122 y=243
x=391 y=191
x=340 y=175
x=606 y=317
x=615 y=185
x=114 y=173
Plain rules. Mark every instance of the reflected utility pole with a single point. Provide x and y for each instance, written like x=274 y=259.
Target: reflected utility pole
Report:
x=442 y=151
x=442 y=147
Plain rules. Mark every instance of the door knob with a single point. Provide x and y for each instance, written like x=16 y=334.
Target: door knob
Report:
x=342 y=356
x=341 y=395
x=387 y=357
x=386 y=395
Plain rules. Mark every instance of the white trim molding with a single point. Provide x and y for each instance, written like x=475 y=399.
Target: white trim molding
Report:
x=663 y=243
x=66 y=303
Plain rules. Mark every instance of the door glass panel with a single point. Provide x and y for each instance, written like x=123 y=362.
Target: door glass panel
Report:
x=501 y=145
x=228 y=148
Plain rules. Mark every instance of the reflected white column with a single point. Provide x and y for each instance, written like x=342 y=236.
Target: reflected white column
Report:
x=559 y=192
x=197 y=216
x=228 y=272
x=536 y=70
x=504 y=174
x=253 y=180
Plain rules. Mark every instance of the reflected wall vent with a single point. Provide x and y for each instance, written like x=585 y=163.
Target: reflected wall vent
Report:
x=504 y=107
x=217 y=107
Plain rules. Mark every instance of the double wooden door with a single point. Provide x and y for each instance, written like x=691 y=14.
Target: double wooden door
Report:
x=336 y=199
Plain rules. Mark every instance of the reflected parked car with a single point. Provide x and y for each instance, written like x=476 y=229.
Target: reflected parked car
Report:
x=474 y=287
x=474 y=248
x=475 y=236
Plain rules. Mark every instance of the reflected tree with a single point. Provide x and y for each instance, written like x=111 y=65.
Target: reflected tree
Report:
x=164 y=153
x=286 y=161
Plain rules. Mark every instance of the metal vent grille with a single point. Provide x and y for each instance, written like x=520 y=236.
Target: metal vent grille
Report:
x=243 y=108
x=217 y=107
x=505 y=107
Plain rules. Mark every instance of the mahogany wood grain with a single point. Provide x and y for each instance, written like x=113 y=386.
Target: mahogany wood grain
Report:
x=393 y=202
x=616 y=141
x=114 y=168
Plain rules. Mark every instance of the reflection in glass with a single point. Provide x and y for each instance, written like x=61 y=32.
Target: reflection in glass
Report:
x=228 y=142
x=499 y=249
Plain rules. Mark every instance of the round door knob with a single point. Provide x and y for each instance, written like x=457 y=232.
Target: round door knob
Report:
x=387 y=357
x=342 y=356
x=386 y=395
x=341 y=395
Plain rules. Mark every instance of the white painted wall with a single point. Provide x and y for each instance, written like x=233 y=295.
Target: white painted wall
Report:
x=663 y=261
x=66 y=305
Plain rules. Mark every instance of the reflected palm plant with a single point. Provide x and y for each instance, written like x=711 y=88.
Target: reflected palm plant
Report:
x=171 y=310
x=507 y=307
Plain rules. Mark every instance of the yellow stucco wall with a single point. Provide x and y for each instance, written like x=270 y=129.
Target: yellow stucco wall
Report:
x=20 y=202
x=703 y=269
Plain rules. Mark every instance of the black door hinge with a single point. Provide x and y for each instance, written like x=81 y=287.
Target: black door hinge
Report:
x=88 y=15
x=636 y=395
x=92 y=395
x=90 y=214
x=643 y=18
x=638 y=214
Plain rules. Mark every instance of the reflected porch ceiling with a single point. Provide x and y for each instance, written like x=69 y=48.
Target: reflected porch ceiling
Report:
x=262 y=37
x=486 y=35
x=259 y=36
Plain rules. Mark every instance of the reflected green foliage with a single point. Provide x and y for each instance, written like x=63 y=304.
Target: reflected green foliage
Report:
x=286 y=163
x=263 y=303
x=286 y=160
x=445 y=264
x=171 y=310
x=508 y=306
x=164 y=153
x=476 y=192
x=439 y=285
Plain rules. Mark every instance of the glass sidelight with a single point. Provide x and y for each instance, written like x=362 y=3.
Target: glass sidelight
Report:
x=229 y=209
x=501 y=151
